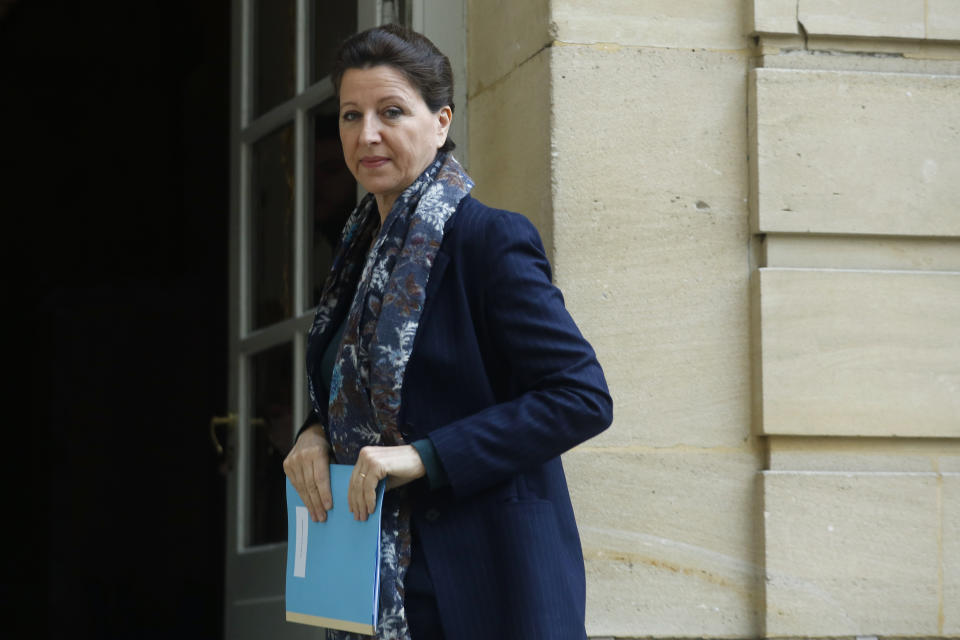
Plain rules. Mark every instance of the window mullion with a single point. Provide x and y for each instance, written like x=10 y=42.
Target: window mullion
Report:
x=246 y=62
x=303 y=44
x=299 y=382
x=301 y=199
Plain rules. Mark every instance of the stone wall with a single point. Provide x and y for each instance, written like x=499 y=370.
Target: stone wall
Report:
x=753 y=210
x=855 y=131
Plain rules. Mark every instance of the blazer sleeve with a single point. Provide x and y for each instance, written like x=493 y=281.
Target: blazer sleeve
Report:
x=558 y=394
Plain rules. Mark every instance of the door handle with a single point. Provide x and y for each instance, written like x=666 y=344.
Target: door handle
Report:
x=229 y=421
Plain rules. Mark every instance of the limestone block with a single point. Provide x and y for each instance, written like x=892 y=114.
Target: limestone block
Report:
x=774 y=16
x=716 y=24
x=851 y=554
x=788 y=453
x=825 y=52
x=510 y=144
x=874 y=18
x=933 y=49
x=860 y=353
x=846 y=152
x=858 y=252
x=943 y=19
x=670 y=541
x=649 y=183
x=445 y=23
x=912 y=56
x=950 y=537
x=501 y=35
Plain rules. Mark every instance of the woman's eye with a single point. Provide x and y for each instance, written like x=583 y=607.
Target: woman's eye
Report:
x=350 y=116
x=393 y=112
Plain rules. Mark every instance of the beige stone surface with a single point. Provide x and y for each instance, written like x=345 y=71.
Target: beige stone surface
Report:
x=932 y=49
x=670 y=541
x=770 y=45
x=651 y=233
x=896 y=171
x=774 y=16
x=510 y=144
x=859 y=252
x=502 y=34
x=943 y=19
x=899 y=62
x=877 y=18
x=860 y=352
x=715 y=24
x=845 y=52
x=851 y=554
x=438 y=20
x=789 y=453
x=950 y=539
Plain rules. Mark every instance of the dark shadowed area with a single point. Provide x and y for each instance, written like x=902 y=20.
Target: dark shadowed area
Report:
x=115 y=126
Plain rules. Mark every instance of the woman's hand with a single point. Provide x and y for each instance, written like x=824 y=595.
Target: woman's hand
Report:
x=308 y=467
x=399 y=465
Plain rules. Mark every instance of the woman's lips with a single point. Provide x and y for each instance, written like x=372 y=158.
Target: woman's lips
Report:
x=372 y=162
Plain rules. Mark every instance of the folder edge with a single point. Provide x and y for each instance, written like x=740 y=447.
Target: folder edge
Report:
x=330 y=623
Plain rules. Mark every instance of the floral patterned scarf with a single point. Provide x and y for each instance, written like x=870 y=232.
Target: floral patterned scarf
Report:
x=365 y=391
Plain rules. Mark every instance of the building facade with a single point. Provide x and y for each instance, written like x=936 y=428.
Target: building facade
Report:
x=753 y=210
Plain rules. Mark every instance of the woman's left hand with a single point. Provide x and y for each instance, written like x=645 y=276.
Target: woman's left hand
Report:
x=399 y=465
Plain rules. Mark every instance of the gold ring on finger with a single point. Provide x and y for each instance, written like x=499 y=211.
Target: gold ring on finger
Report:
x=363 y=475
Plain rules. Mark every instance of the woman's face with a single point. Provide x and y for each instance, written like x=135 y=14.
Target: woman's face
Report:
x=389 y=134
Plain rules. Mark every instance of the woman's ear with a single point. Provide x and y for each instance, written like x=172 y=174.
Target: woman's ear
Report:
x=444 y=118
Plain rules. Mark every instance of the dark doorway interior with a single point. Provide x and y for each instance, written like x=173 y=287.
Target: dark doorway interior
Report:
x=115 y=130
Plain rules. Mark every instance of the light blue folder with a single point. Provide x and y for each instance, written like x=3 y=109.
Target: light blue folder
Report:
x=333 y=567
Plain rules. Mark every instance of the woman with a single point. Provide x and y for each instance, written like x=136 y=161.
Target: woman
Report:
x=443 y=360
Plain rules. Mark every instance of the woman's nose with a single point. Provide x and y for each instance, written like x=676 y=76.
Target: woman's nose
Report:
x=370 y=131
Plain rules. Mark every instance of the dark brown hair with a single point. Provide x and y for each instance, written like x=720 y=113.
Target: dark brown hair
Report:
x=409 y=52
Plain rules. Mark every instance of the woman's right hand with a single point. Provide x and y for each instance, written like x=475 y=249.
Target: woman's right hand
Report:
x=308 y=467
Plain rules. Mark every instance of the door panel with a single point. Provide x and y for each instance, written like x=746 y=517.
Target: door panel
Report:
x=334 y=194
x=272 y=198
x=274 y=27
x=271 y=394
x=330 y=27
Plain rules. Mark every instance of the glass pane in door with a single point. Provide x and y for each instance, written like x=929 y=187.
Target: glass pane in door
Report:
x=334 y=195
x=275 y=51
x=271 y=228
x=395 y=11
x=333 y=22
x=272 y=428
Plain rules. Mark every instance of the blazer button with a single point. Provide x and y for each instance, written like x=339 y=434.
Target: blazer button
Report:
x=431 y=515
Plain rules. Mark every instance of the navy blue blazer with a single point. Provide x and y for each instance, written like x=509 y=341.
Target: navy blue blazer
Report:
x=502 y=382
